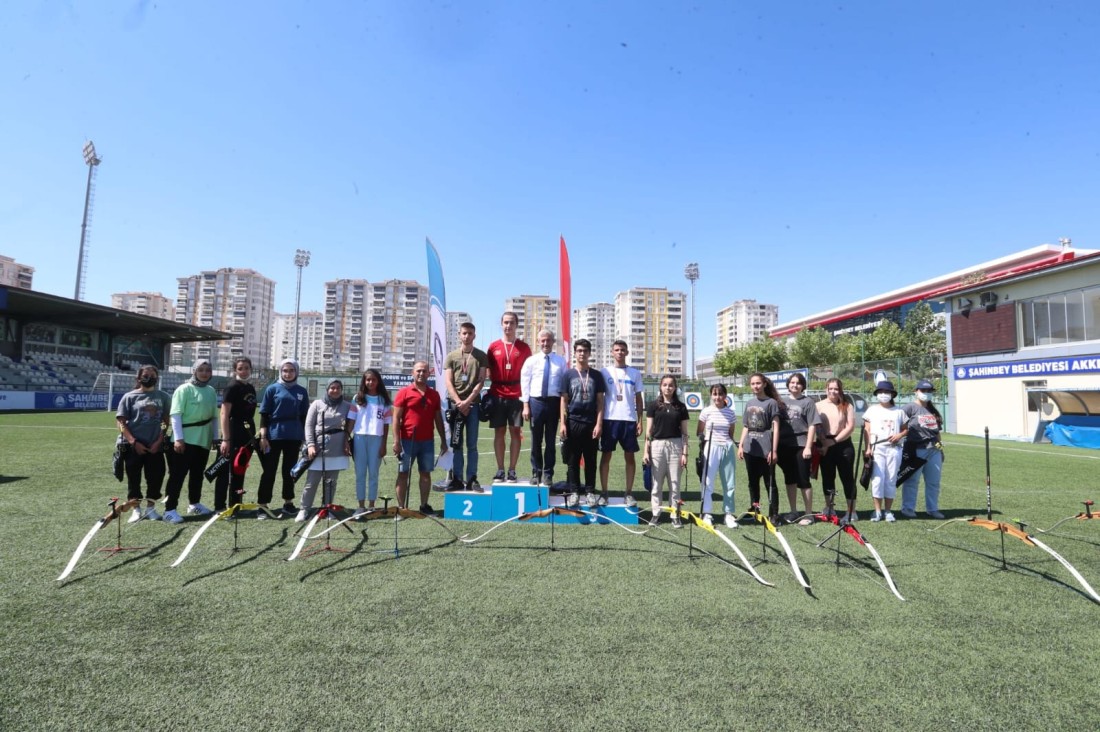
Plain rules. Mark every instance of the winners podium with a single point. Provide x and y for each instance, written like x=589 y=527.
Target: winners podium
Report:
x=502 y=501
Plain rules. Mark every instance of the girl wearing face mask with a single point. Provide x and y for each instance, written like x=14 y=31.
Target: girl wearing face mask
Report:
x=885 y=426
x=838 y=456
x=328 y=446
x=760 y=441
x=238 y=429
x=142 y=419
x=716 y=424
x=924 y=424
x=194 y=429
x=282 y=430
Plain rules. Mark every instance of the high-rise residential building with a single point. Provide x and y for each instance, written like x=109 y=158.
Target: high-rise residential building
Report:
x=651 y=321
x=14 y=274
x=233 y=300
x=311 y=329
x=596 y=323
x=345 y=316
x=535 y=312
x=743 y=322
x=455 y=319
x=145 y=303
x=399 y=326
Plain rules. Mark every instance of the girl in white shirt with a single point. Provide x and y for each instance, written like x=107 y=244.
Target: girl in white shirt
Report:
x=372 y=414
x=885 y=425
x=716 y=424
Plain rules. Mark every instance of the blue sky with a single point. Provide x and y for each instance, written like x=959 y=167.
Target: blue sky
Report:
x=803 y=153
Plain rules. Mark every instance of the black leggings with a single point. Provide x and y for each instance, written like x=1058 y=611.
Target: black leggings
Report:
x=758 y=468
x=578 y=435
x=288 y=450
x=841 y=458
x=229 y=485
x=190 y=464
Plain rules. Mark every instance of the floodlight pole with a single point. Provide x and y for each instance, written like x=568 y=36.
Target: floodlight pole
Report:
x=692 y=274
x=91 y=160
x=301 y=261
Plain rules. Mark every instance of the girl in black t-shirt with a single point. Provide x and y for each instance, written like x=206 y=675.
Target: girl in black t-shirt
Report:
x=238 y=429
x=666 y=446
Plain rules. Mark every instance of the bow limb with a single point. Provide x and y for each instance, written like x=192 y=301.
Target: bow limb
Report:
x=740 y=555
x=1072 y=570
x=490 y=530
x=603 y=517
x=305 y=537
x=762 y=519
x=198 y=534
x=114 y=512
x=885 y=571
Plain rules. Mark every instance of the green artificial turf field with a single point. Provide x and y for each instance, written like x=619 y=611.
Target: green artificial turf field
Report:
x=610 y=631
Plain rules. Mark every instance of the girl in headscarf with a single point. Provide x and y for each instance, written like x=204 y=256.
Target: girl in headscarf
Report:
x=327 y=443
x=282 y=430
x=194 y=429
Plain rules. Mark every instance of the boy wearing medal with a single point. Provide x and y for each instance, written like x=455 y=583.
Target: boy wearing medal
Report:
x=582 y=404
x=624 y=409
x=506 y=357
x=464 y=372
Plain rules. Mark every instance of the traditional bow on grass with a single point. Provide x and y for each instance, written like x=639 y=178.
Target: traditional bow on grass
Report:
x=226 y=514
x=1008 y=529
x=853 y=532
x=698 y=521
x=527 y=516
x=1085 y=515
x=115 y=511
x=760 y=518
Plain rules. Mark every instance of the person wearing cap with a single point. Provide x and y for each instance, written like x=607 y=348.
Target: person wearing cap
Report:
x=884 y=424
x=327 y=445
x=923 y=442
x=237 y=413
x=282 y=430
x=194 y=430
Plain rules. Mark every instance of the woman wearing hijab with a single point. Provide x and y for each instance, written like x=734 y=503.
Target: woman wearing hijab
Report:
x=327 y=445
x=282 y=429
x=194 y=429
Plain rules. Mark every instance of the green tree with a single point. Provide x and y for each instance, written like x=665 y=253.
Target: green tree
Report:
x=886 y=341
x=850 y=348
x=925 y=331
x=812 y=347
x=762 y=355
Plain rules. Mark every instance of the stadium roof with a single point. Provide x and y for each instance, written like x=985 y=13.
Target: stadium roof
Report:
x=42 y=308
x=1030 y=260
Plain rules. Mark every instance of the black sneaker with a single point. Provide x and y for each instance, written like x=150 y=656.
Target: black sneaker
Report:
x=427 y=510
x=511 y=476
x=474 y=486
x=455 y=485
x=499 y=477
x=289 y=510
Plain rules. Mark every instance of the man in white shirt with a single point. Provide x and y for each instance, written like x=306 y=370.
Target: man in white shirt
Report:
x=624 y=410
x=540 y=392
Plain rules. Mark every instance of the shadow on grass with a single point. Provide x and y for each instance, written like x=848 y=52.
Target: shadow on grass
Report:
x=12 y=478
x=247 y=560
x=335 y=568
x=1004 y=565
x=131 y=558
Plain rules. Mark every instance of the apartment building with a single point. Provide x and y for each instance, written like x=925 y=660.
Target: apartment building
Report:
x=311 y=328
x=743 y=322
x=145 y=303
x=596 y=323
x=399 y=326
x=535 y=312
x=652 y=322
x=14 y=274
x=234 y=300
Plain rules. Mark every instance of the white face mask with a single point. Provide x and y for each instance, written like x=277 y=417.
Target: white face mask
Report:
x=922 y=396
x=884 y=398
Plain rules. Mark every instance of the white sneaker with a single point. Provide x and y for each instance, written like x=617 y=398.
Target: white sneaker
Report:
x=876 y=516
x=629 y=501
x=853 y=517
x=198 y=509
x=302 y=516
x=676 y=523
x=890 y=517
x=731 y=522
x=135 y=516
x=151 y=514
x=708 y=520
x=173 y=517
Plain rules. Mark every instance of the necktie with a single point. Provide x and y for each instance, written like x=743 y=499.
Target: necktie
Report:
x=546 y=377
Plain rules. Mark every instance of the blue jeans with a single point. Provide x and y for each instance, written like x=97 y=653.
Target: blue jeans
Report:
x=932 y=470
x=471 y=423
x=364 y=450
